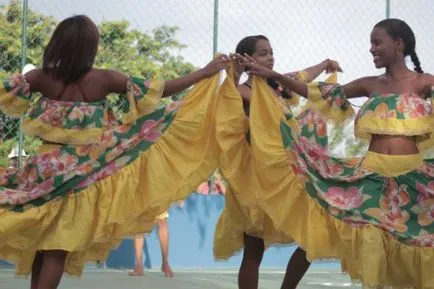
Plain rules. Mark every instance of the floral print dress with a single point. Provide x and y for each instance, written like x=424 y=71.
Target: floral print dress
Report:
x=115 y=165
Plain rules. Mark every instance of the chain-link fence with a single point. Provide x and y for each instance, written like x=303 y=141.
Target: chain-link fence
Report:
x=172 y=37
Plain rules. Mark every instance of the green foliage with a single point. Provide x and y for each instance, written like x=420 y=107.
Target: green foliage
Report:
x=30 y=146
x=39 y=29
x=141 y=54
x=341 y=136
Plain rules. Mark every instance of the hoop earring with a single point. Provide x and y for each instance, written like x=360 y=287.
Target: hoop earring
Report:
x=398 y=52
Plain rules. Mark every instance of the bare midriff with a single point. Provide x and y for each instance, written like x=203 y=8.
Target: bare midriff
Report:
x=393 y=145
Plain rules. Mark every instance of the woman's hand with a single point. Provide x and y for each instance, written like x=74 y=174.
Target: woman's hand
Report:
x=255 y=68
x=332 y=66
x=237 y=64
x=219 y=63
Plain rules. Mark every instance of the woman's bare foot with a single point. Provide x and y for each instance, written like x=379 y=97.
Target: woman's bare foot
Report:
x=137 y=272
x=165 y=268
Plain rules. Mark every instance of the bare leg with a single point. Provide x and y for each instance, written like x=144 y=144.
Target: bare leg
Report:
x=138 y=250
x=36 y=269
x=163 y=235
x=297 y=267
x=248 y=276
x=52 y=269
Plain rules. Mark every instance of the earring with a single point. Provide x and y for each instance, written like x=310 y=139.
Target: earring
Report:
x=398 y=52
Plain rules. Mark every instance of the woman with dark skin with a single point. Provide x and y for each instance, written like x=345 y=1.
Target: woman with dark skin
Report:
x=391 y=42
x=393 y=174
x=259 y=48
x=68 y=77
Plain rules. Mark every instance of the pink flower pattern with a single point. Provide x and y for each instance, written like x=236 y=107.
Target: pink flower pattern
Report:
x=351 y=198
x=403 y=205
x=119 y=145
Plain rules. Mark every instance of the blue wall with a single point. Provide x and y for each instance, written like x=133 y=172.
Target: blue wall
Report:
x=191 y=230
x=4 y=264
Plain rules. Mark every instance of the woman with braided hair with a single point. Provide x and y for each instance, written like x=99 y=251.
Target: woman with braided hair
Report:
x=376 y=213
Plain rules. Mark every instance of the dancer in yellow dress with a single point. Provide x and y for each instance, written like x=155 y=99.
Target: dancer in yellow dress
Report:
x=245 y=224
x=375 y=213
x=109 y=165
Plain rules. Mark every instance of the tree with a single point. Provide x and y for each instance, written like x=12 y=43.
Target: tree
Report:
x=344 y=144
x=38 y=30
x=30 y=146
x=131 y=51
x=138 y=53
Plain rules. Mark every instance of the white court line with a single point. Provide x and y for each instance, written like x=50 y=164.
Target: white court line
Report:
x=195 y=270
x=328 y=284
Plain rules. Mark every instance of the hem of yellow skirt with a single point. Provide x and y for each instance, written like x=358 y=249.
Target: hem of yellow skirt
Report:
x=130 y=221
x=229 y=236
x=325 y=237
x=240 y=217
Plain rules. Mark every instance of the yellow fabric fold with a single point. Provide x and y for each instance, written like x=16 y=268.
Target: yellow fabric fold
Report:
x=231 y=129
x=368 y=254
x=146 y=104
x=386 y=165
x=421 y=127
x=12 y=105
x=243 y=212
x=333 y=78
x=277 y=187
x=46 y=148
x=329 y=111
x=17 y=107
x=369 y=124
x=91 y=222
x=37 y=128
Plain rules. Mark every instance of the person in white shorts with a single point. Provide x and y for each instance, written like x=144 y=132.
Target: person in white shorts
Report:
x=163 y=235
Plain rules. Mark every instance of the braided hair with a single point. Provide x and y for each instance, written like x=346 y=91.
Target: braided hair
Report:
x=397 y=29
